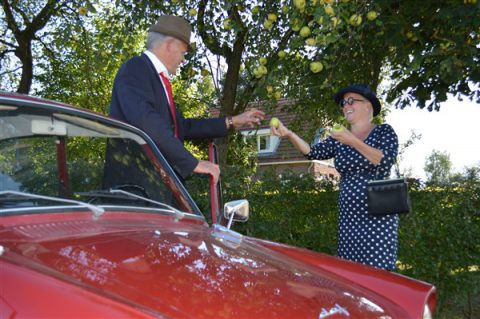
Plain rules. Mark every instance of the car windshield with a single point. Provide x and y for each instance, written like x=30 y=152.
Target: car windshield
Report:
x=60 y=153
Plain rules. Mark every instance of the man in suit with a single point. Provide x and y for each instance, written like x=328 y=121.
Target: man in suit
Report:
x=142 y=97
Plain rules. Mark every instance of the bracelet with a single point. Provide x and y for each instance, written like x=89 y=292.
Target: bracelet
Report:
x=229 y=121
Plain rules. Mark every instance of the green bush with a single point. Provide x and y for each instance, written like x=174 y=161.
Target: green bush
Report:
x=439 y=242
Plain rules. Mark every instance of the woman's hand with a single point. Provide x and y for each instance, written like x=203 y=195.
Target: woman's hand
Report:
x=281 y=130
x=345 y=137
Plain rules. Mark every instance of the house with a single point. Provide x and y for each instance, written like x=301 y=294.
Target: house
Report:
x=280 y=155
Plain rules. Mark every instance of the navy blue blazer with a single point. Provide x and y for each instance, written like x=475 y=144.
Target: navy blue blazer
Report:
x=138 y=98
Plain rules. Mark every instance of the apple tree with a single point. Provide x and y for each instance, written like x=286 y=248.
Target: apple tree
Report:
x=412 y=53
x=26 y=30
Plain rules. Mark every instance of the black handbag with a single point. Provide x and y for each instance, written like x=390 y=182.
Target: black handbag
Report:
x=389 y=196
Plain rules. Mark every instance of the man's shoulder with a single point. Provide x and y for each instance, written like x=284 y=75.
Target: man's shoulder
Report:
x=137 y=61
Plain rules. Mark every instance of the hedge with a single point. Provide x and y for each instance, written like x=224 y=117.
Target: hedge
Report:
x=439 y=242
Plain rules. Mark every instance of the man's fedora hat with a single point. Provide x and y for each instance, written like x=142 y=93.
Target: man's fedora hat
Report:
x=173 y=26
x=363 y=90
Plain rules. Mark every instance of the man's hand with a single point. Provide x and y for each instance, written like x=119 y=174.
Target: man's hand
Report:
x=206 y=167
x=248 y=118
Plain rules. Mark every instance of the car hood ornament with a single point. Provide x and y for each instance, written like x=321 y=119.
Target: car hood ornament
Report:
x=337 y=309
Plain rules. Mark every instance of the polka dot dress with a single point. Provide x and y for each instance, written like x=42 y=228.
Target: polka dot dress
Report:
x=363 y=238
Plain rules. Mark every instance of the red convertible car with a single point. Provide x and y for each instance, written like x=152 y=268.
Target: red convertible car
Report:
x=95 y=224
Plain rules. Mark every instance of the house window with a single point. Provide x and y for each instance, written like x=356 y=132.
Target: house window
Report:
x=266 y=143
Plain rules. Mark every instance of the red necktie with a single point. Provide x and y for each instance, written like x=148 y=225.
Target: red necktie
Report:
x=168 y=87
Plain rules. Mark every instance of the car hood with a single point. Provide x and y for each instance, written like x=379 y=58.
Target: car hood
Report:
x=187 y=269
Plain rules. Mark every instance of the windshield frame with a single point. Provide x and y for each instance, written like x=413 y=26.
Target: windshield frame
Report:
x=10 y=102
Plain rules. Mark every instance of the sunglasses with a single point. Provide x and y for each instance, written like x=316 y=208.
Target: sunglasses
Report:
x=349 y=101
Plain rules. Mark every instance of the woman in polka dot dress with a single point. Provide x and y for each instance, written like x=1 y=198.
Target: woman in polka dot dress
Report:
x=362 y=153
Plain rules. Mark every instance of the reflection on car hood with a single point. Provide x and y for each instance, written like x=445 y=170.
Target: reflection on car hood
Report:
x=179 y=269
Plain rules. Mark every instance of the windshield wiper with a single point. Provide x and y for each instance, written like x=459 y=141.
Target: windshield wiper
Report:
x=113 y=193
x=97 y=211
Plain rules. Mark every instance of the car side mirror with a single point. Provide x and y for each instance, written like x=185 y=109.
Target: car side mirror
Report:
x=237 y=210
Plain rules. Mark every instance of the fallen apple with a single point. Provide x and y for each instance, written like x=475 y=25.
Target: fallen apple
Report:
x=274 y=122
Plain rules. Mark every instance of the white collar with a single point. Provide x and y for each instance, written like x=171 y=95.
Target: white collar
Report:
x=159 y=66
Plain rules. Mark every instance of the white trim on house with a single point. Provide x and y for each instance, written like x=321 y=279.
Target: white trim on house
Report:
x=266 y=143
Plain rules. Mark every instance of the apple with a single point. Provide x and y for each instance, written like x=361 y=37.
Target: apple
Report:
x=267 y=24
x=335 y=21
x=329 y=10
x=355 y=20
x=277 y=95
x=263 y=61
x=337 y=128
x=269 y=88
x=82 y=11
x=255 y=10
x=192 y=12
x=305 y=31
x=372 y=15
x=274 y=122
x=227 y=24
x=204 y=72
x=316 y=66
x=311 y=42
x=272 y=17
x=282 y=54
x=285 y=9
x=299 y=4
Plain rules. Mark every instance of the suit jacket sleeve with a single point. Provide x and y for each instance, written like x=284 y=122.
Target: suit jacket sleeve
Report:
x=139 y=99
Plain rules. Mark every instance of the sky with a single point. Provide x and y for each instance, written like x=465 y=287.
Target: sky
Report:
x=454 y=130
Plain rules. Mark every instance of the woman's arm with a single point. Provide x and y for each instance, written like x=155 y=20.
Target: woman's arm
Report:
x=373 y=155
x=296 y=140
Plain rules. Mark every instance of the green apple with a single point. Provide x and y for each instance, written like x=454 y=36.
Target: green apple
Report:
x=192 y=12
x=263 y=61
x=268 y=24
x=299 y=4
x=82 y=11
x=255 y=10
x=277 y=95
x=227 y=24
x=305 y=31
x=204 y=72
x=282 y=54
x=372 y=15
x=329 y=10
x=274 y=122
x=272 y=17
x=337 y=128
x=269 y=88
x=316 y=66
x=336 y=21
x=355 y=20
x=311 y=42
